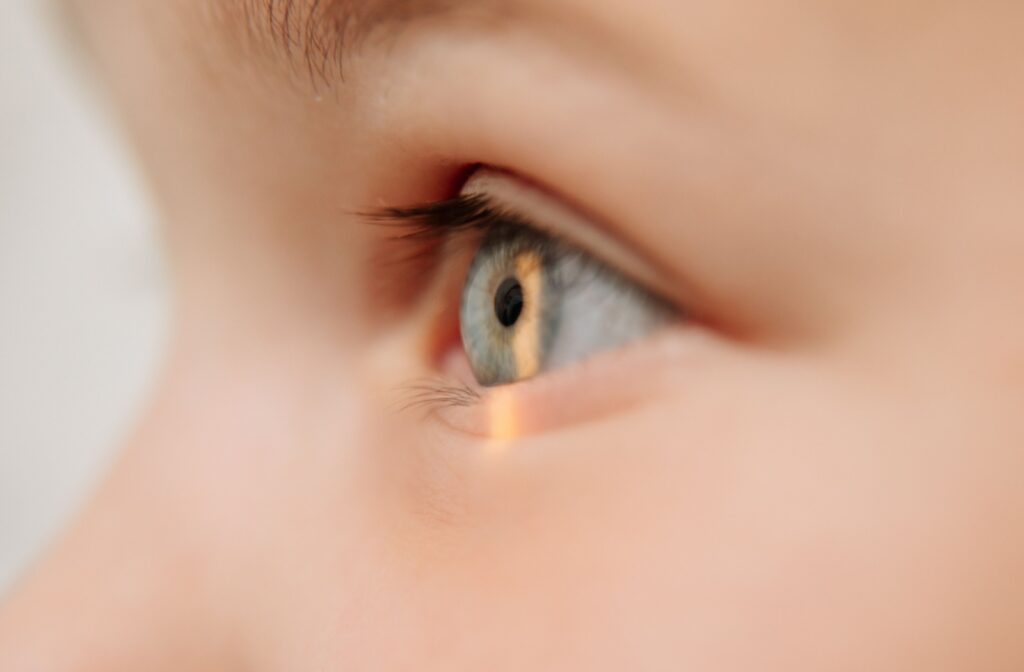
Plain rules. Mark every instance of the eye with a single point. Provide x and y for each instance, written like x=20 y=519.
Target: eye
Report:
x=533 y=302
x=545 y=288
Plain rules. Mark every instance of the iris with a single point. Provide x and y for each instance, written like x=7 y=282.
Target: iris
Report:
x=532 y=303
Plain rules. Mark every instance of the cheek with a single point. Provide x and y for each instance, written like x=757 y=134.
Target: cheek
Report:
x=811 y=523
x=757 y=503
x=717 y=516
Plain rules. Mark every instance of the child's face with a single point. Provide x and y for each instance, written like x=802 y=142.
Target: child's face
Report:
x=817 y=468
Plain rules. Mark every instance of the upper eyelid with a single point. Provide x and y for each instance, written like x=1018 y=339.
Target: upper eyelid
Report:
x=553 y=216
x=490 y=193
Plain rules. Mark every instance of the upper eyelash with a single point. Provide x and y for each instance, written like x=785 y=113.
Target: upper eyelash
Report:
x=437 y=221
x=428 y=224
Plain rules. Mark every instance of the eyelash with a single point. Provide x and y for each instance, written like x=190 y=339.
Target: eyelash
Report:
x=433 y=395
x=435 y=222
x=424 y=227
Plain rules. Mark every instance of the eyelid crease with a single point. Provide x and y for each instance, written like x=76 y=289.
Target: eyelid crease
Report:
x=546 y=213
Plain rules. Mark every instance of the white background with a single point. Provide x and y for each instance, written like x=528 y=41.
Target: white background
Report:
x=82 y=292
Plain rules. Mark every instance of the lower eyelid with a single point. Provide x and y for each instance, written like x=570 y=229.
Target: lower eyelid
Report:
x=609 y=383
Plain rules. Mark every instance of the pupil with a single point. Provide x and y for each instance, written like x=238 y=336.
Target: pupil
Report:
x=508 y=302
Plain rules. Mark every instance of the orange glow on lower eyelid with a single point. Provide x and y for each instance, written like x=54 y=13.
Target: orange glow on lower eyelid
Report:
x=503 y=417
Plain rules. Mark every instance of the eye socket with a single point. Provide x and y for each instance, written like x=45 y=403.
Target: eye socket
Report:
x=533 y=302
x=546 y=287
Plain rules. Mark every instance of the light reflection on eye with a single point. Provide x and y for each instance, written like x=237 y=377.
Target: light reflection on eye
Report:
x=532 y=303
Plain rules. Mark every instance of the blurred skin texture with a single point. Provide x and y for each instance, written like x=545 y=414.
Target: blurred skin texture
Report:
x=820 y=472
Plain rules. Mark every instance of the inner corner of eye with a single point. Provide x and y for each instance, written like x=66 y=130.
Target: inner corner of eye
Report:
x=446 y=346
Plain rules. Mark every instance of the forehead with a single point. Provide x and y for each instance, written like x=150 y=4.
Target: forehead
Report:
x=740 y=50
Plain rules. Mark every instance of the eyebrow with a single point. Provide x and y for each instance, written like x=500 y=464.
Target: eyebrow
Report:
x=320 y=35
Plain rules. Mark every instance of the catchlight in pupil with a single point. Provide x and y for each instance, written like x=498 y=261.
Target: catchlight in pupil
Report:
x=508 y=302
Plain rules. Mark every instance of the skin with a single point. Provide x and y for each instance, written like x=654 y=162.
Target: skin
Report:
x=820 y=472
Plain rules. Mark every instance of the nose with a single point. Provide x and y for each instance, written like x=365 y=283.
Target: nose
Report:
x=161 y=569
x=121 y=590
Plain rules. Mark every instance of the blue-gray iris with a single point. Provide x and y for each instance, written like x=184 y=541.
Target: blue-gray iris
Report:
x=532 y=303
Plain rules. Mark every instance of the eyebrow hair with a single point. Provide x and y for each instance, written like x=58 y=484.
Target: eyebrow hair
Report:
x=319 y=35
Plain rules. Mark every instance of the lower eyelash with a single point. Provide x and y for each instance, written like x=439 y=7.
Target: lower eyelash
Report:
x=435 y=394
